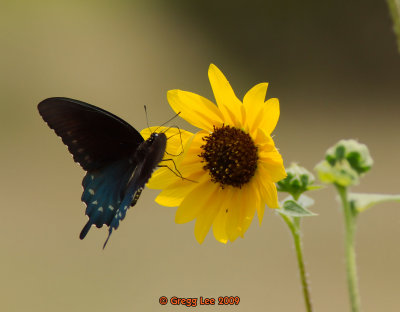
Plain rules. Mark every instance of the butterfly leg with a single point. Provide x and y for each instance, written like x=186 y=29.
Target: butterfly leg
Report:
x=165 y=166
x=180 y=136
x=179 y=175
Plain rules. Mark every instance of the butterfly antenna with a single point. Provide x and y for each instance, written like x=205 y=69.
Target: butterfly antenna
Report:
x=176 y=115
x=147 y=118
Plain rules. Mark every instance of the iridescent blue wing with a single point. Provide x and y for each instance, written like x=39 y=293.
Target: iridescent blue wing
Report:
x=104 y=145
x=103 y=191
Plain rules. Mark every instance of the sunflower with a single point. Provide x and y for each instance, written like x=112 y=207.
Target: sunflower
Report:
x=228 y=169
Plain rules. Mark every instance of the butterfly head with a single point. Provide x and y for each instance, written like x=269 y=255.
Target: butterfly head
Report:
x=157 y=141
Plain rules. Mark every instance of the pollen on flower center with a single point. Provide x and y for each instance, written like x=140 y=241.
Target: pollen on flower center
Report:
x=230 y=156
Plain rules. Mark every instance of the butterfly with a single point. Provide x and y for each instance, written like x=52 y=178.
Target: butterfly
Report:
x=117 y=160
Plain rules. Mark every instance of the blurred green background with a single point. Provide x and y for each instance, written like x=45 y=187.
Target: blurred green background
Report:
x=333 y=65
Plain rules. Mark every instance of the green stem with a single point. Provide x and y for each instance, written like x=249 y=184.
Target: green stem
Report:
x=394 y=8
x=294 y=226
x=351 y=268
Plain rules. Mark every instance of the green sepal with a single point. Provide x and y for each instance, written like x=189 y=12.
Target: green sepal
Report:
x=362 y=202
x=315 y=187
x=340 y=173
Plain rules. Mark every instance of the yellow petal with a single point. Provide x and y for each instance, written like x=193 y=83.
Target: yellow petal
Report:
x=195 y=201
x=174 y=193
x=270 y=115
x=146 y=132
x=227 y=101
x=272 y=171
x=219 y=225
x=195 y=109
x=210 y=210
x=171 y=197
x=236 y=216
x=161 y=178
x=234 y=234
x=269 y=159
x=260 y=211
x=169 y=172
x=271 y=156
x=170 y=176
x=269 y=194
x=233 y=211
x=251 y=198
x=176 y=184
x=176 y=140
x=253 y=102
x=255 y=97
x=263 y=194
x=249 y=212
x=263 y=140
x=193 y=150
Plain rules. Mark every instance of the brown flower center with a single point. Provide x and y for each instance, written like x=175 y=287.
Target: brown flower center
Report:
x=230 y=156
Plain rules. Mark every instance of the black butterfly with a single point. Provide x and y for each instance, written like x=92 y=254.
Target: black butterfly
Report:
x=118 y=161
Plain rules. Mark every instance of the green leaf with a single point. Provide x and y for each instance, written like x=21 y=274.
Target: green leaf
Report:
x=362 y=201
x=304 y=201
x=293 y=209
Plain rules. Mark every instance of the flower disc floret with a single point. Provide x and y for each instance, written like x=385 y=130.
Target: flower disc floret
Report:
x=230 y=156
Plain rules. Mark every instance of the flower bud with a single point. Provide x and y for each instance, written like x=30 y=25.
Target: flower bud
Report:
x=344 y=163
x=298 y=180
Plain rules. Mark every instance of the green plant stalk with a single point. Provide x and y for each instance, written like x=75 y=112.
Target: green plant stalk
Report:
x=394 y=8
x=351 y=267
x=294 y=226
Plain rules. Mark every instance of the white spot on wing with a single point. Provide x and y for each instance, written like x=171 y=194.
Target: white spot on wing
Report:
x=94 y=202
x=110 y=207
x=100 y=209
x=91 y=191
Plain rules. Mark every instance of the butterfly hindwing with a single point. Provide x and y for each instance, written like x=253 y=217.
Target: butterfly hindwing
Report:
x=103 y=191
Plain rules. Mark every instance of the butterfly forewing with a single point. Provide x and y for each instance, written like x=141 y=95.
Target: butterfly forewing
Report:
x=94 y=136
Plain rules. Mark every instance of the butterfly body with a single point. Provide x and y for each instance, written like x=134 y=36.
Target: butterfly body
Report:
x=118 y=161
